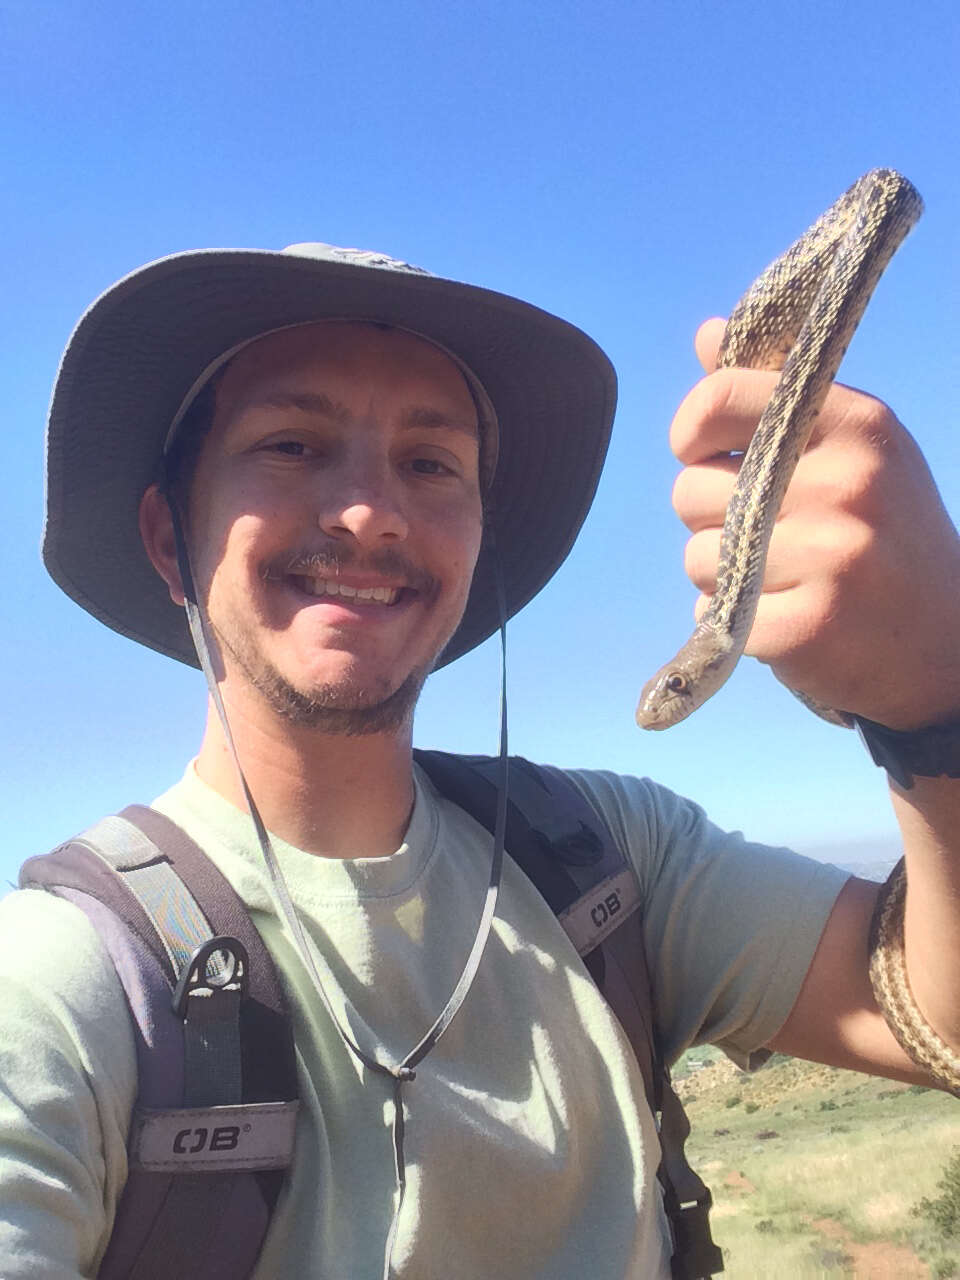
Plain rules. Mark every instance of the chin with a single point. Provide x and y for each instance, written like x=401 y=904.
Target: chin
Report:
x=341 y=694
x=347 y=706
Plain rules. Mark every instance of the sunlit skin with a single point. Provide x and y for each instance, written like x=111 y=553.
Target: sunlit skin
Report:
x=343 y=453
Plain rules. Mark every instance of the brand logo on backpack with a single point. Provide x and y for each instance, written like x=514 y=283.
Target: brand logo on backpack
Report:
x=601 y=909
x=606 y=910
x=189 y=1142
x=249 y=1135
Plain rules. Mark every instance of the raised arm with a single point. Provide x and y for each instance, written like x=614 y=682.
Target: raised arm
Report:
x=860 y=611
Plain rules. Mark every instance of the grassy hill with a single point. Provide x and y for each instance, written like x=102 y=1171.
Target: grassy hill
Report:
x=814 y=1171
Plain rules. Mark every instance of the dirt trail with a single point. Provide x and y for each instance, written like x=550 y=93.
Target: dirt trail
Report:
x=878 y=1260
x=739 y=1182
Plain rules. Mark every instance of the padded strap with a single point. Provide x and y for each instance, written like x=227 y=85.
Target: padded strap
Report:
x=152 y=1237
x=176 y=1227
x=267 y=1049
x=163 y=895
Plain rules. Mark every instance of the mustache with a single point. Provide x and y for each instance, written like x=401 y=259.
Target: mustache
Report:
x=331 y=562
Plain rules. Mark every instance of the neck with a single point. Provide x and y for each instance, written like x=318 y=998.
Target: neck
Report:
x=332 y=795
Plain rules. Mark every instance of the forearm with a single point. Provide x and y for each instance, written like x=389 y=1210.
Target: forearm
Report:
x=929 y=817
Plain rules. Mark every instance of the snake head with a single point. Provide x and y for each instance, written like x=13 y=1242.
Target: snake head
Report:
x=667 y=698
x=689 y=679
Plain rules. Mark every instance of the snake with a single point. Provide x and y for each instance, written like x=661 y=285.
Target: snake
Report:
x=891 y=987
x=797 y=317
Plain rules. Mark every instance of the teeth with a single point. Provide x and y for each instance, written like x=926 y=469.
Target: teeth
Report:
x=330 y=587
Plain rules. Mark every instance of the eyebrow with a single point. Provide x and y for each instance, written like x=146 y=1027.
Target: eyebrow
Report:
x=425 y=417
x=317 y=403
x=314 y=402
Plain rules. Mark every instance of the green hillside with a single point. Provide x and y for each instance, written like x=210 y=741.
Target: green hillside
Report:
x=814 y=1171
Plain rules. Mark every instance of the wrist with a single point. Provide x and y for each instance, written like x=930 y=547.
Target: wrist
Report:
x=932 y=751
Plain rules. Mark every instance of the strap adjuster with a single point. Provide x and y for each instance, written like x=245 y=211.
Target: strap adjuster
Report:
x=200 y=976
x=695 y=1256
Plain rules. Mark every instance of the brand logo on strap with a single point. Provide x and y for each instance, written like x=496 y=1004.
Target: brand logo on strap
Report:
x=602 y=909
x=224 y=1138
x=251 y=1135
x=606 y=910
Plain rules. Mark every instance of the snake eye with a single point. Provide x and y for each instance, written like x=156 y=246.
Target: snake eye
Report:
x=676 y=682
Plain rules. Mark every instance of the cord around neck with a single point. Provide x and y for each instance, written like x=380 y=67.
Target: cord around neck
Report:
x=404 y=1071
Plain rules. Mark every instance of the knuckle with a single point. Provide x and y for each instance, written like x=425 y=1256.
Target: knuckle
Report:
x=865 y=480
x=858 y=545
x=870 y=416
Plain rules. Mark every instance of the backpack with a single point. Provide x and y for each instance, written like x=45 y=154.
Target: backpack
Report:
x=213 y=1127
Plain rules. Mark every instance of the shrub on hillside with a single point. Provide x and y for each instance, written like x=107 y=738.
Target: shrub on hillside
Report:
x=943 y=1213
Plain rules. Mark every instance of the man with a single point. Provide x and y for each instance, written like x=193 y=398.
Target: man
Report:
x=341 y=439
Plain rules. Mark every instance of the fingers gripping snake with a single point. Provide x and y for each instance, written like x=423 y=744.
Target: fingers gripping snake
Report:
x=799 y=317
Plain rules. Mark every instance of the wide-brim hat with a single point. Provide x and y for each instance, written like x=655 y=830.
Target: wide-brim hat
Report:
x=142 y=346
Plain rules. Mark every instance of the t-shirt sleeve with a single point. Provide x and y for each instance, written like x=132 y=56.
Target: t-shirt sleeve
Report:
x=730 y=927
x=67 y=1086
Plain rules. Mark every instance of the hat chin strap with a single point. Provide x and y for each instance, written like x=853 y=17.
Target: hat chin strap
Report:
x=404 y=1071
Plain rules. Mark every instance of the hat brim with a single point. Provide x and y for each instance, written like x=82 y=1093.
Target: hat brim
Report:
x=140 y=347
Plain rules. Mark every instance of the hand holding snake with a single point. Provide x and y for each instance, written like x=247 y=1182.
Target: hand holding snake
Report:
x=819 y=537
x=860 y=608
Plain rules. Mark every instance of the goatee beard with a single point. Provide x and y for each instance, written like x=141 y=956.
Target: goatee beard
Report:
x=325 y=712
x=335 y=708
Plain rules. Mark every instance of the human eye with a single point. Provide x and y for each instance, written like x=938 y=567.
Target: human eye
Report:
x=426 y=466
x=290 y=448
x=286 y=447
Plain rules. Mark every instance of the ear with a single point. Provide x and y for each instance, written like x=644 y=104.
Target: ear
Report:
x=156 y=531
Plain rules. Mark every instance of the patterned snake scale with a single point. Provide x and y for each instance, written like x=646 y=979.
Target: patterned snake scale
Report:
x=891 y=987
x=799 y=317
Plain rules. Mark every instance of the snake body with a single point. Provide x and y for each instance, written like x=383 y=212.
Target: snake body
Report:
x=891 y=987
x=799 y=317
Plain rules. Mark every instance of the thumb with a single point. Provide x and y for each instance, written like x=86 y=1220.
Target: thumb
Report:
x=707 y=342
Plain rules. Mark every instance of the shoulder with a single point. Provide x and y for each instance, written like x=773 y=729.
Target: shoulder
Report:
x=646 y=819
x=68 y=1080
x=668 y=835
x=55 y=971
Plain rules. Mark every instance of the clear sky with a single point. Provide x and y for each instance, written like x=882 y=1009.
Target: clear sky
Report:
x=629 y=166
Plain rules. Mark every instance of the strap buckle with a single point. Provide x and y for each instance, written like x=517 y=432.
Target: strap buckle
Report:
x=217 y=965
x=695 y=1256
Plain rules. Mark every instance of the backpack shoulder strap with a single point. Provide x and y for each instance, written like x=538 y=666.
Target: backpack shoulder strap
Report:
x=564 y=844
x=214 y=1121
x=565 y=847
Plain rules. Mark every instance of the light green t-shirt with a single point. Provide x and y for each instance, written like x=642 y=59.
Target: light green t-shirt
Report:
x=531 y=1153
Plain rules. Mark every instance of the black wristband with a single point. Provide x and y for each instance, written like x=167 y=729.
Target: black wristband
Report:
x=932 y=752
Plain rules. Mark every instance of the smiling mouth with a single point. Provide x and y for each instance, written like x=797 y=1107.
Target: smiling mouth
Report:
x=330 y=588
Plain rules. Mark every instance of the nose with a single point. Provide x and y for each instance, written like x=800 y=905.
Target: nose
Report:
x=362 y=504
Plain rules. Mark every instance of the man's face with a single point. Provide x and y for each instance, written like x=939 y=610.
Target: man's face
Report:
x=335 y=520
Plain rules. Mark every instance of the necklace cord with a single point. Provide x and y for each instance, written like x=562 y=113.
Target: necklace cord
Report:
x=403 y=1072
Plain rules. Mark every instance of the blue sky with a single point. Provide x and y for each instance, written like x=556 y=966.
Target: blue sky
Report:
x=628 y=166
